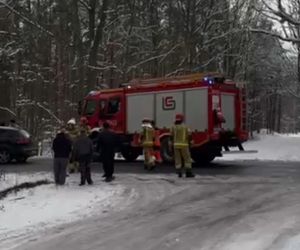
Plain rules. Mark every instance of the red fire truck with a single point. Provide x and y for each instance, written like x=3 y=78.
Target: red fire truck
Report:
x=214 y=110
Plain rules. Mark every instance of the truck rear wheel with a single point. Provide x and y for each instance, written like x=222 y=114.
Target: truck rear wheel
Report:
x=130 y=154
x=202 y=158
x=166 y=152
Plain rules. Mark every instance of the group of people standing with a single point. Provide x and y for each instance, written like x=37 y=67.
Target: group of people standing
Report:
x=72 y=147
x=180 y=144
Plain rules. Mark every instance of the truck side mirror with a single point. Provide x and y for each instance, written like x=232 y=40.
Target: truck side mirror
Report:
x=79 y=108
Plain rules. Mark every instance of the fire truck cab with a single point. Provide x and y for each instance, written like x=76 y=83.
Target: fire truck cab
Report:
x=214 y=110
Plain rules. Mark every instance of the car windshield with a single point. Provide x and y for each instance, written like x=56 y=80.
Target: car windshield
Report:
x=90 y=107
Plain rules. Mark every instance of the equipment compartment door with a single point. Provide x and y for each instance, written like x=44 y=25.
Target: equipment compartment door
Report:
x=196 y=107
x=167 y=105
x=139 y=106
x=228 y=110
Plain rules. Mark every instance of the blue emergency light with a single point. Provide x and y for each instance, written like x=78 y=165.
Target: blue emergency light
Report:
x=209 y=80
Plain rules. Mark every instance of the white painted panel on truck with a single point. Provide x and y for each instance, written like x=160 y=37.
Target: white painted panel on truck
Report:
x=139 y=107
x=167 y=105
x=228 y=110
x=196 y=108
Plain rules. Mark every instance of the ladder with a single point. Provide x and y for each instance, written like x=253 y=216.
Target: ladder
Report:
x=175 y=79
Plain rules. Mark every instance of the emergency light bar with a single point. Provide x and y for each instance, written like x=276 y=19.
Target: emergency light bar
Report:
x=93 y=92
x=210 y=80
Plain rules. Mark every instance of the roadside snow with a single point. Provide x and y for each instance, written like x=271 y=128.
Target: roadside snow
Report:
x=276 y=147
x=10 y=180
x=48 y=205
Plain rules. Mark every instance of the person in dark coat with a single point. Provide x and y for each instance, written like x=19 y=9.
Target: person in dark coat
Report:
x=107 y=144
x=62 y=148
x=83 y=153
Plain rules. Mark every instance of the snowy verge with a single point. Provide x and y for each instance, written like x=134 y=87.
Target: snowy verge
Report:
x=42 y=207
x=276 y=147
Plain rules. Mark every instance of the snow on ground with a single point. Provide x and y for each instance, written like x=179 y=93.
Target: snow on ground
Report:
x=276 y=147
x=10 y=180
x=50 y=205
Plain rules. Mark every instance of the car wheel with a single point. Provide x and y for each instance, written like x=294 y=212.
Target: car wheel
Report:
x=4 y=156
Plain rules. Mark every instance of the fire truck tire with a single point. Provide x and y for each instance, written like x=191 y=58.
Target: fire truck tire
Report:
x=165 y=151
x=130 y=154
x=201 y=158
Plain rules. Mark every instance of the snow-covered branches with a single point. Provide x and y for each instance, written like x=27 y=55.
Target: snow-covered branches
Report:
x=22 y=16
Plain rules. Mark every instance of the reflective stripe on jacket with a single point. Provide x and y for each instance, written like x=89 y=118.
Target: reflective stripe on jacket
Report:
x=180 y=136
x=148 y=137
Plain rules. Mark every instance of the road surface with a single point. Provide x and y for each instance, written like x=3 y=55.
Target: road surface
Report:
x=229 y=205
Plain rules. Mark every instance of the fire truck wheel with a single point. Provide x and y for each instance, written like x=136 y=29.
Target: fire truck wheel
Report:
x=166 y=152
x=130 y=154
x=201 y=158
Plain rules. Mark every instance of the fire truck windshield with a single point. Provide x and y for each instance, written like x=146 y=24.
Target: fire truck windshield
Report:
x=90 y=107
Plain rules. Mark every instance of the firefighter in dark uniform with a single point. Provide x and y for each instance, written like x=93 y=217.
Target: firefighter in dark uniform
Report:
x=107 y=143
x=180 y=138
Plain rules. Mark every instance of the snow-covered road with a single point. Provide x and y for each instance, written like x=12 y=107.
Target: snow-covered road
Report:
x=231 y=205
x=29 y=211
x=211 y=212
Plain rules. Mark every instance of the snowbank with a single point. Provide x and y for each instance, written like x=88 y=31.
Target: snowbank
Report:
x=276 y=147
x=48 y=205
x=10 y=180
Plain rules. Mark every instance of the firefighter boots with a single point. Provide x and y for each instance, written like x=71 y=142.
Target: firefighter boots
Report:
x=189 y=174
x=179 y=173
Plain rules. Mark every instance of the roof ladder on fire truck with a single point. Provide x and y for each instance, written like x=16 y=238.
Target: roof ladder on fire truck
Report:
x=243 y=114
x=244 y=124
x=244 y=109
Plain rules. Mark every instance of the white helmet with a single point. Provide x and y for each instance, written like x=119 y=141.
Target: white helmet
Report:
x=72 y=121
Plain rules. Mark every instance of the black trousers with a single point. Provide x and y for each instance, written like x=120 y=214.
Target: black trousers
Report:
x=60 y=166
x=108 y=165
x=85 y=169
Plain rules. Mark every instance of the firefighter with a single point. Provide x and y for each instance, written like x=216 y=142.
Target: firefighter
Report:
x=180 y=140
x=73 y=134
x=72 y=130
x=147 y=139
x=156 y=146
x=84 y=125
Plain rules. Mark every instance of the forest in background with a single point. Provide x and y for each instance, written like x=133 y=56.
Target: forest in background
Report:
x=53 y=52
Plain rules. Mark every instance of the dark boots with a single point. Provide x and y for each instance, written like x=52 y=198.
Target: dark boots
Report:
x=189 y=173
x=179 y=173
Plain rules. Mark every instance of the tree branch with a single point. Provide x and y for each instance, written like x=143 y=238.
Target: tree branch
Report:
x=273 y=34
x=85 y=4
x=2 y=2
